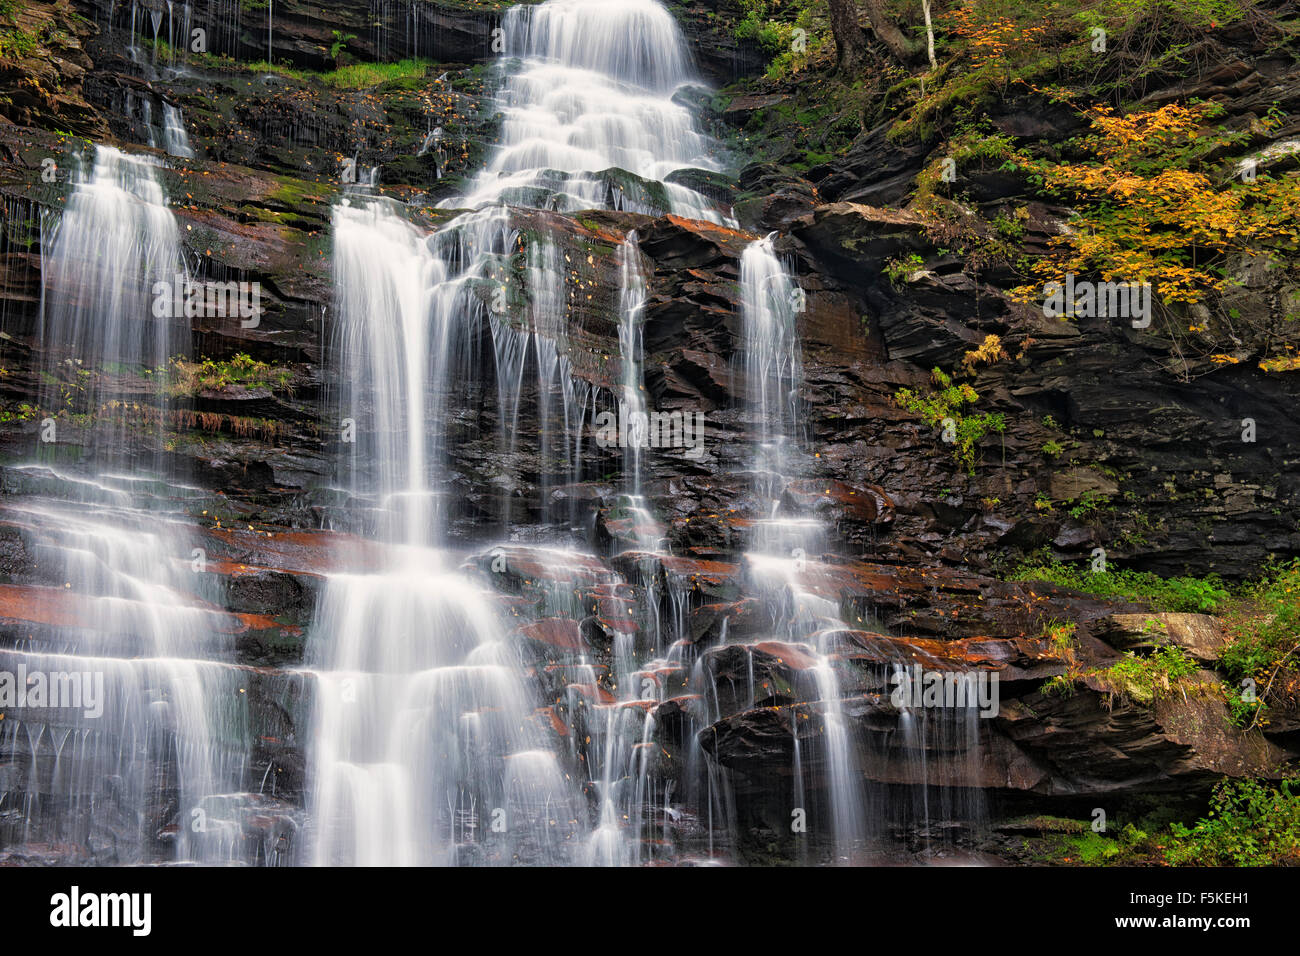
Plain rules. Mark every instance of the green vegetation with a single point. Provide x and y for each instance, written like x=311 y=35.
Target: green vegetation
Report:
x=1201 y=595
x=1249 y=823
x=16 y=44
x=899 y=270
x=1264 y=630
x=354 y=76
x=21 y=413
x=1136 y=677
x=992 y=48
x=243 y=371
x=1260 y=665
x=1089 y=504
x=340 y=41
x=943 y=409
x=1148 y=678
x=790 y=32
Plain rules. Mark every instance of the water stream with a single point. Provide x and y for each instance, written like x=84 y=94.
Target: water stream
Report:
x=436 y=731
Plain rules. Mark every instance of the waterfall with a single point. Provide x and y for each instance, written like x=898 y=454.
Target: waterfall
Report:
x=150 y=762
x=100 y=336
x=771 y=365
x=116 y=237
x=175 y=139
x=421 y=716
x=528 y=704
x=588 y=99
x=421 y=730
x=159 y=771
x=632 y=404
x=385 y=275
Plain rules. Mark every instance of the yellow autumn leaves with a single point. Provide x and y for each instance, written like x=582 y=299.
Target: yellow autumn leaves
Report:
x=1148 y=213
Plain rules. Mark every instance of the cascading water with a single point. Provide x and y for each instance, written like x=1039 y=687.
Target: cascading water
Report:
x=159 y=771
x=422 y=720
x=772 y=367
x=772 y=371
x=175 y=139
x=422 y=729
x=439 y=732
x=155 y=769
x=588 y=99
x=632 y=404
x=782 y=569
x=115 y=239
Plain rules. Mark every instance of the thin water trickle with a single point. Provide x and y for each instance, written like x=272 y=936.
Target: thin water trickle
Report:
x=175 y=139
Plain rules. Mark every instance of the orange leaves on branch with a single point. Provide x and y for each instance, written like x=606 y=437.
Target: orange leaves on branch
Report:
x=1147 y=212
x=988 y=39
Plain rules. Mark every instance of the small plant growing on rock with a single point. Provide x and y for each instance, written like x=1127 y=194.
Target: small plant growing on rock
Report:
x=943 y=410
x=989 y=352
x=341 y=40
x=1199 y=595
x=900 y=271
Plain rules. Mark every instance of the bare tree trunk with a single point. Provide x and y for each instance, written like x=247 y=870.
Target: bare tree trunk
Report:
x=889 y=31
x=850 y=41
x=929 y=35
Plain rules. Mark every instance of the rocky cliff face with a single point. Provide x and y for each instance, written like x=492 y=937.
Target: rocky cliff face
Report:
x=1152 y=447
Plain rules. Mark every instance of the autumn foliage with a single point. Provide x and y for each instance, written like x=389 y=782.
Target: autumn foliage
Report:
x=1149 y=210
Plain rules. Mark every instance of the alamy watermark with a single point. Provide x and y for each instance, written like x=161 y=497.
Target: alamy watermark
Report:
x=917 y=688
x=1085 y=299
x=75 y=909
x=186 y=298
x=629 y=429
x=83 y=690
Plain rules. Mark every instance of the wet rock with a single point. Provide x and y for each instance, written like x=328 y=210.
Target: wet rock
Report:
x=1199 y=634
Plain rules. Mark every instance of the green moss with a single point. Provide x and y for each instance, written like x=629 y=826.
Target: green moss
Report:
x=16 y=44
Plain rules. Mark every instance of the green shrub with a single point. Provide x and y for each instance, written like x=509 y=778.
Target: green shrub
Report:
x=944 y=406
x=1249 y=824
x=1264 y=632
x=1200 y=595
x=1148 y=678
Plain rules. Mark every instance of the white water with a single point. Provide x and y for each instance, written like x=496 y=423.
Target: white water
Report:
x=397 y=769
x=592 y=92
x=175 y=139
x=426 y=730
x=115 y=239
x=421 y=730
x=779 y=554
x=647 y=532
x=126 y=600
x=771 y=365
x=161 y=770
